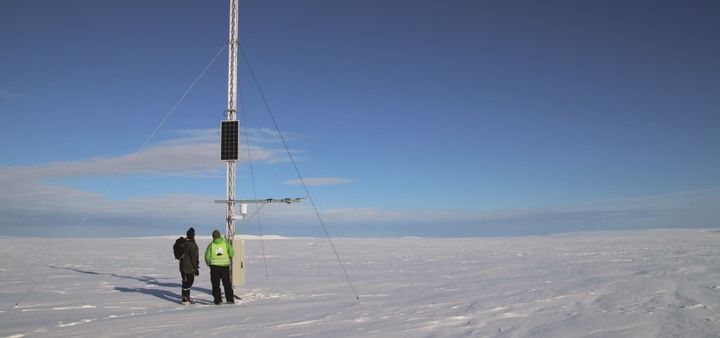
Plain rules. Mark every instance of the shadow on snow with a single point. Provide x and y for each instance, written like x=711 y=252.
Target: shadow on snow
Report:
x=151 y=281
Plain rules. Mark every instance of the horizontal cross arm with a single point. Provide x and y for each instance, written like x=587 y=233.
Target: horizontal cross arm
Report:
x=265 y=201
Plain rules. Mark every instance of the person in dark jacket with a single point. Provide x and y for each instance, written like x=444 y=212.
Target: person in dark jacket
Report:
x=189 y=266
x=217 y=257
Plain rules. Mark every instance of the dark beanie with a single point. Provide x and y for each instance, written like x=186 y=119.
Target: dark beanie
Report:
x=191 y=233
x=216 y=234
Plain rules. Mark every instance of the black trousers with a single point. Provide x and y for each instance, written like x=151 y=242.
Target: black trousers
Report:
x=217 y=274
x=187 y=281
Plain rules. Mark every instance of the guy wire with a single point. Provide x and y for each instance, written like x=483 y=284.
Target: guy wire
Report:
x=116 y=177
x=297 y=170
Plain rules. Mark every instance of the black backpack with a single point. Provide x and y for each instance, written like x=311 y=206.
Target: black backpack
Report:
x=179 y=247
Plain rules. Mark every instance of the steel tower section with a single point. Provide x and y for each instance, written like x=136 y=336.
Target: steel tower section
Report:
x=232 y=114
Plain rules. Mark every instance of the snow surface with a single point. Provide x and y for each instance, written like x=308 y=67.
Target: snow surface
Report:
x=656 y=283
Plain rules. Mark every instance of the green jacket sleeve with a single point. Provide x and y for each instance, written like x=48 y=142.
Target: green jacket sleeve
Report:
x=231 y=253
x=208 y=254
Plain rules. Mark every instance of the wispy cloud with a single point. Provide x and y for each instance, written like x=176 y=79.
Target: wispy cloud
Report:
x=28 y=202
x=648 y=210
x=27 y=199
x=46 y=205
x=320 y=181
x=688 y=209
x=196 y=153
x=9 y=96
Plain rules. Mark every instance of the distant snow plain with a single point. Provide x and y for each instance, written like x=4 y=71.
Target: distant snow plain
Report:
x=650 y=283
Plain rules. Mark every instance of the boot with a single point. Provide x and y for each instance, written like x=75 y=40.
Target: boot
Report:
x=185 y=296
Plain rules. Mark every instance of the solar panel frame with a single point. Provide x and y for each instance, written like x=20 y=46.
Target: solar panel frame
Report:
x=229 y=135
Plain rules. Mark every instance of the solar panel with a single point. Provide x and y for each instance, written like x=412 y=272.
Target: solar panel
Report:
x=229 y=140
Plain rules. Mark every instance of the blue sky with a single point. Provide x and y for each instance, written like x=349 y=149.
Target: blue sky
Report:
x=429 y=118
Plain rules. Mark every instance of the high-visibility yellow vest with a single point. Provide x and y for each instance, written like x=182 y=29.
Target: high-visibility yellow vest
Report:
x=220 y=255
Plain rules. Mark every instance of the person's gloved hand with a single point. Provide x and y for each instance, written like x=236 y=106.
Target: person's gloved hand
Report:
x=197 y=272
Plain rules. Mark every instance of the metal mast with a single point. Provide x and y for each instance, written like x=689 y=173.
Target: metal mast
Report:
x=229 y=136
x=232 y=114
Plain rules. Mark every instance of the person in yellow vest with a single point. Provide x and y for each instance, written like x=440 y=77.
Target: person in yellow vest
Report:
x=217 y=257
